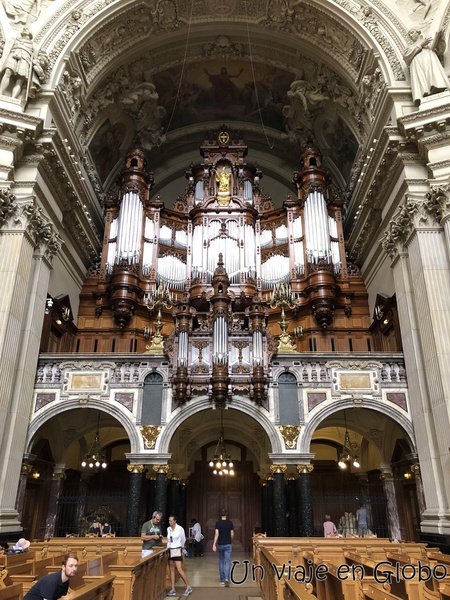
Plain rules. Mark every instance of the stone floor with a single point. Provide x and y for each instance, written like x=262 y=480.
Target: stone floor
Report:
x=203 y=575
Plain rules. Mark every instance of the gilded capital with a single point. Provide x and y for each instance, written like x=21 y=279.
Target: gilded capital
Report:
x=150 y=434
x=415 y=469
x=290 y=434
x=26 y=469
x=162 y=469
x=305 y=468
x=278 y=468
x=136 y=468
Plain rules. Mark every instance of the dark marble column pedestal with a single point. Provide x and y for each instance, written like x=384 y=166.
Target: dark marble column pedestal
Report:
x=52 y=504
x=305 y=500
x=161 y=491
x=392 y=509
x=134 y=499
x=279 y=500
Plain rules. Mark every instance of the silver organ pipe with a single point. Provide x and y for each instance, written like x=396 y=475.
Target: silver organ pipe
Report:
x=148 y=246
x=249 y=265
x=129 y=230
x=335 y=254
x=248 y=191
x=180 y=239
x=165 y=235
x=220 y=341
x=199 y=192
x=266 y=239
x=183 y=349
x=275 y=270
x=197 y=251
x=172 y=272
x=112 y=246
x=257 y=349
x=316 y=228
x=299 y=257
x=281 y=234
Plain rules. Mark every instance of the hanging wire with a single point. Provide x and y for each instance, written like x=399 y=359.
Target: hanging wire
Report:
x=182 y=68
x=270 y=144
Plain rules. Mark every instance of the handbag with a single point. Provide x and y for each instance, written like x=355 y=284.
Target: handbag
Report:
x=174 y=552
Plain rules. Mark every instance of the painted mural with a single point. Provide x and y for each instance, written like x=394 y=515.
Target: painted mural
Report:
x=224 y=92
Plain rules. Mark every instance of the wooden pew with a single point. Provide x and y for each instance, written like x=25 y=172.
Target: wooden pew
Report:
x=11 y=592
x=101 y=588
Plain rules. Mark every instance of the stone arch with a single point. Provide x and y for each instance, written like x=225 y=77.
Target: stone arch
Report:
x=348 y=403
x=201 y=404
x=133 y=434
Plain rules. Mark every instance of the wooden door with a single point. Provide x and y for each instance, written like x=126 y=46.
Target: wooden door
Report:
x=239 y=495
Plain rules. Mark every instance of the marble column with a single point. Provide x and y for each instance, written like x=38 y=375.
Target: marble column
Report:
x=270 y=510
x=25 y=471
x=150 y=498
x=264 y=506
x=81 y=506
x=182 y=506
x=134 y=499
x=387 y=478
x=292 y=487
x=27 y=246
x=58 y=476
x=305 y=499
x=173 y=497
x=161 y=490
x=279 y=500
x=415 y=470
x=417 y=242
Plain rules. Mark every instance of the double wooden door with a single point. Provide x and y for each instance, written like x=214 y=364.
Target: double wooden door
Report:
x=240 y=495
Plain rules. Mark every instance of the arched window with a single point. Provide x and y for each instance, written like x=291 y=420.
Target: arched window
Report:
x=152 y=400
x=288 y=399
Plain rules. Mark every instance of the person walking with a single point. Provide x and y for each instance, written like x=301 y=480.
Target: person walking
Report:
x=329 y=528
x=151 y=534
x=361 y=519
x=196 y=530
x=176 y=539
x=223 y=538
x=54 y=585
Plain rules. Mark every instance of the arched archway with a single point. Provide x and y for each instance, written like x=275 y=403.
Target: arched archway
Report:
x=62 y=493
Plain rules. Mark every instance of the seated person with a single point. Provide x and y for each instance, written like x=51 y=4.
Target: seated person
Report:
x=20 y=546
x=95 y=528
x=106 y=528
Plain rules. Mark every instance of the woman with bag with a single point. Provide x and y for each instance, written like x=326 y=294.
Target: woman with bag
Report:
x=176 y=539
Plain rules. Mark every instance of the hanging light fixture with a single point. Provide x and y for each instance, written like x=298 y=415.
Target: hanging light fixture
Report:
x=347 y=456
x=221 y=462
x=95 y=457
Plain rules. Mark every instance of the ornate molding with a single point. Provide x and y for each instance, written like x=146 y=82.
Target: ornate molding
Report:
x=278 y=469
x=290 y=434
x=305 y=468
x=150 y=434
x=413 y=214
x=134 y=468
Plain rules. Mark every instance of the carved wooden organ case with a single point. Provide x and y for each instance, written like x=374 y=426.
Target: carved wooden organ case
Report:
x=219 y=270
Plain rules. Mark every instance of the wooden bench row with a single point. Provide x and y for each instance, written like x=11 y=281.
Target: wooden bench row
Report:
x=133 y=577
x=341 y=569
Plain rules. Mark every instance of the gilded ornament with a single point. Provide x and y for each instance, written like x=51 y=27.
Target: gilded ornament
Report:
x=290 y=434
x=150 y=434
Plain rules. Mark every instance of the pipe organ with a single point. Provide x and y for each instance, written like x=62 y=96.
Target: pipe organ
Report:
x=221 y=251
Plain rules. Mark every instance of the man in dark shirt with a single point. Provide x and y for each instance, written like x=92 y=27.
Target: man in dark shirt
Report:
x=151 y=534
x=223 y=537
x=55 y=585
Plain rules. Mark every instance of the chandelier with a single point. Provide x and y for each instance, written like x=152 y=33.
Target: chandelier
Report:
x=347 y=456
x=221 y=462
x=95 y=457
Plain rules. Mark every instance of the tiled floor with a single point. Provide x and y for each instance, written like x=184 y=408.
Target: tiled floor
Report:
x=203 y=572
